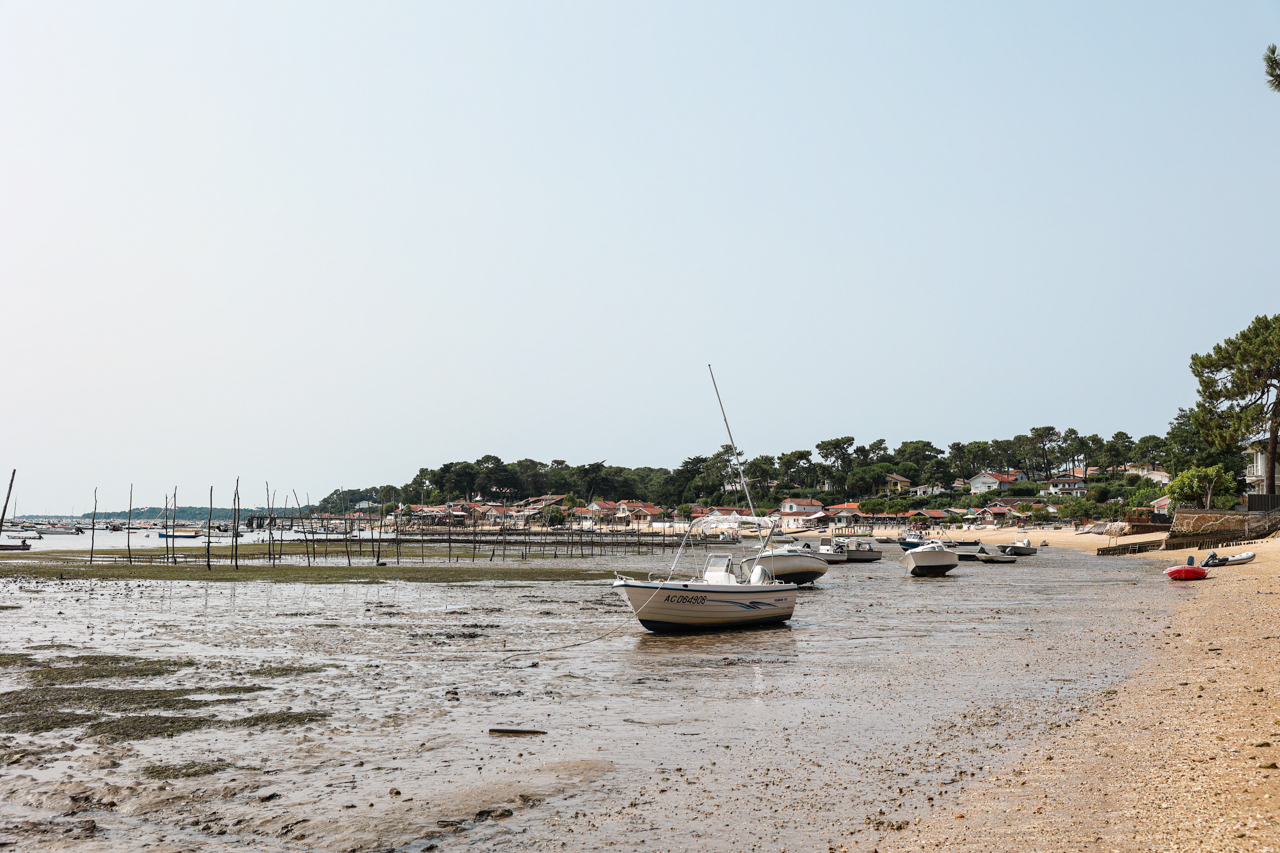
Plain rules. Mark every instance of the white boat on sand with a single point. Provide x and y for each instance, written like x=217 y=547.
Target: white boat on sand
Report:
x=931 y=560
x=789 y=564
x=716 y=600
x=1018 y=548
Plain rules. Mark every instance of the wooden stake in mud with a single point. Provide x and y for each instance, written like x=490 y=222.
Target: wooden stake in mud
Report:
x=270 y=553
x=93 y=525
x=235 y=528
x=7 y=495
x=128 y=527
x=306 y=527
x=173 y=543
x=164 y=525
x=208 y=534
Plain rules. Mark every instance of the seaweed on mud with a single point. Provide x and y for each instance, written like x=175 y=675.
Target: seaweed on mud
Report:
x=17 y=659
x=91 y=667
x=107 y=699
x=283 y=670
x=231 y=689
x=278 y=718
x=186 y=771
x=47 y=646
x=43 y=721
x=10 y=606
x=140 y=727
x=143 y=727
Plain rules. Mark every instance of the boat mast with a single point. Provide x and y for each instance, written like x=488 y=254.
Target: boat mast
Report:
x=742 y=478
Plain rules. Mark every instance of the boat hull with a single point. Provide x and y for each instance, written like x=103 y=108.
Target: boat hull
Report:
x=21 y=546
x=1186 y=573
x=1234 y=560
x=666 y=606
x=797 y=568
x=861 y=556
x=1018 y=550
x=930 y=564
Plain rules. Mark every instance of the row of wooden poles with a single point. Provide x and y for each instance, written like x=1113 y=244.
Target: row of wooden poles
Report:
x=523 y=541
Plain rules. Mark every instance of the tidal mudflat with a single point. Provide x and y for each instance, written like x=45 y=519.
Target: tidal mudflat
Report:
x=357 y=716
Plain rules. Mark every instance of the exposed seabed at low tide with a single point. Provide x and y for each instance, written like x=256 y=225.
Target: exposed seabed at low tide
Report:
x=864 y=714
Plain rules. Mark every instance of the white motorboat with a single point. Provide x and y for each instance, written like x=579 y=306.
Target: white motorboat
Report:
x=831 y=550
x=57 y=530
x=1018 y=548
x=861 y=551
x=26 y=534
x=716 y=600
x=930 y=560
x=789 y=564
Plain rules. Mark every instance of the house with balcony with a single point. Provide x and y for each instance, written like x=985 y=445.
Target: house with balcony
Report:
x=1255 y=473
x=1073 y=486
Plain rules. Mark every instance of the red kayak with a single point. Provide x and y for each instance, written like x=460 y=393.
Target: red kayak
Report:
x=1186 y=573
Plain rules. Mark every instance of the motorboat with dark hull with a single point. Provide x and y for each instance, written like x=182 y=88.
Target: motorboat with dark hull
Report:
x=930 y=560
x=1019 y=548
x=861 y=552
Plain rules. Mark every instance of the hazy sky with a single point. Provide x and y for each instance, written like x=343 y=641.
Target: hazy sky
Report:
x=328 y=244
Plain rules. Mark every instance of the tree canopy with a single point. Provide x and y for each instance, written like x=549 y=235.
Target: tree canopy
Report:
x=1240 y=390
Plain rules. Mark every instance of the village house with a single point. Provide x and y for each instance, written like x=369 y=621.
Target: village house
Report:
x=895 y=484
x=1074 y=486
x=989 y=481
x=603 y=509
x=1155 y=473
x=639 y=512
x=926 y=491
x=804 y=505
x=1255 y=473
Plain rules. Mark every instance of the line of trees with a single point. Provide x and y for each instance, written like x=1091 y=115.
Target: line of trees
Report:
x=835 y=470
x=1238 y=406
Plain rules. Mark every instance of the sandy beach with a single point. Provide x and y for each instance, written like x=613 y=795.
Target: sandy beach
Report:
x=1178 y=757
x=892 y=715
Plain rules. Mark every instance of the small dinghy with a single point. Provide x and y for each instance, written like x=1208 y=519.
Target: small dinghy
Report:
x=1189 y=572
x=988 y=557
x=1213 y=561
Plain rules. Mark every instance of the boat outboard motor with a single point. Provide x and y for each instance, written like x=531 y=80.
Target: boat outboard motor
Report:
x=761 y=575
x=1210 y=560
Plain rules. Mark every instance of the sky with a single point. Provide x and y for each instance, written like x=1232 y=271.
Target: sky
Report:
x=327 y=244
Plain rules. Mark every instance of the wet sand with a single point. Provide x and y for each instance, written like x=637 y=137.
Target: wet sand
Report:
x=1180 y=757
x=858 y=724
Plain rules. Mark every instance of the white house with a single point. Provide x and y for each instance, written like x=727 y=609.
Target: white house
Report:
x=1156 y=473
x=926 y=491
x=805 y=505
x=989 y=481
x=1073 y=486
x=1255 y=473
